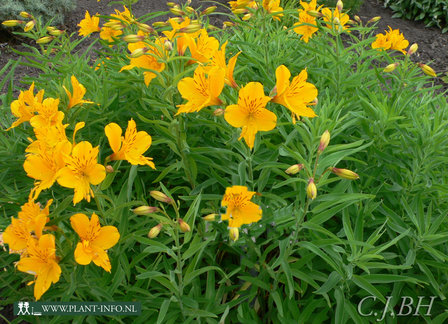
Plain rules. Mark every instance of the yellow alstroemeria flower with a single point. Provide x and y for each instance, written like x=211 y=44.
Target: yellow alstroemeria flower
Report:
x=250 y=112
x=149 y=61
x=240 y=210
x=397 y=40
x=182 y=39
x=303 y=26
x=81 y=170
x=89 y=25
x=25 y=106
x=43 y=163
x=307 y=6
x=273 y=6
x=17 y=235
x=78 y=93
x=34 y=216
x=203 y=47
x=40 y=261
x=130 y=147
x=219 y=60
x=201 y=91
x=109 y=34
x=124 y=16
x=47 y=114
x=95 y=240
x=381 y=43
x=330 y=15
x=297 y=95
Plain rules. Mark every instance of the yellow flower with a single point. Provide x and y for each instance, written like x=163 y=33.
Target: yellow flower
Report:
x=25 y=106
x=34 y=217
x=95 y=240
x=149 y=61
x=204 y=47
x=43 y=163
x=382 y=42
x=392 y=39
x=240 y=210
x=182 y=39
x=81 y=170
x=89 y=25
x=303 y=26
x=130 y=147
x=201 y=91
x=295 y=95
x=78 y=93
x=17 y=235
x=219 y=60
x=333 y=16
x=273 y=6
x=48 y=114
x=41 y=262
x=124 y=16
x=109 y=34
x=307 y=6
x=250 y=113
x=241 y=6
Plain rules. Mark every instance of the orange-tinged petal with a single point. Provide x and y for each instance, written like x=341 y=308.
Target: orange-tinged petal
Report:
x=235 y=116
x=229 y=71
x=96 y=174
x=216 y=82
x=113 y=133
x=83 y=255
x=282 y=74
x=101 y=259
x=80 y=223
x=107 y=237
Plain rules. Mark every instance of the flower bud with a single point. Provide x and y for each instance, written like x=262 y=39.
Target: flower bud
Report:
x=189 y=9
x=234 y=233
x=184 y=227
x=160 y=24
x=145 y=28
x=209 y=217
x=192 y=28
x=227 y=24
x=374 y=20
x=168 y=45
x=177 y=11
x=358 y=20
x=139 y=52
x=171 y=4
x=324 y=140
x=45 y=40
x=29 y=25
x=391 y=67
x=336 y=21
x=208 y=10
x=12 y=23
x=160 y=196
x=314 y=13
x=153 y=232
x=345 y=174
x=239 y=11
x=311 y=189
x=56 y=32
x=25 y=14
x=339 y=5
x=133 y=38
x=109 y=168
x=145 y=210
x=218 y=112
x=412 y=49
x=294 y=169
x=427 y=70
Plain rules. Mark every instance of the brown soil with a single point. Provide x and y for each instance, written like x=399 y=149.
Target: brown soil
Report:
x=433 y=45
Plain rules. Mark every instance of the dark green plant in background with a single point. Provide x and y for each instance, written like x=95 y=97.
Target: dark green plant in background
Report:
x=349 y=5
x=47 y=9
x=431 y=12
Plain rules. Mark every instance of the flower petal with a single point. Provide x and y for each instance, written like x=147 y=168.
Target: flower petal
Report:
x=107 y=237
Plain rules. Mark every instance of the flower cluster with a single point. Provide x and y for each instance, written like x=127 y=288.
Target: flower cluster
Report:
x=392 y=39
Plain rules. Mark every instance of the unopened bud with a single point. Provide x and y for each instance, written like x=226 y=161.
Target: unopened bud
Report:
x=145 y=210
x=358 y=20
x=336 y=21
x=29 y=25
x=345 y=173
x=114 y=24
x=234 y=233
x=192 y=28
x=374 y=20
x=324 y=140
x=184 y=227
x=45 y=40
x=391 y=67
x=413 y=49
x=314 y=13
x=209 y=217
x=153 y=232
x=351 y=22
x=139 y=52
x=160 y=196
x=226 y=24
x=133 y=38
x=239 y=11
x=145 y=28
x=168 y=45
x=109 y=169
x=218 y=112
x=208 y=10
x=12 y=23
x=339 y=5
x=160 y=24
x=171 y=4
x=427 y=70
x=311 y=189
x=25 y=14
x=177 y=11
x=294 y=169
x=56 y=32
x=189 y=9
